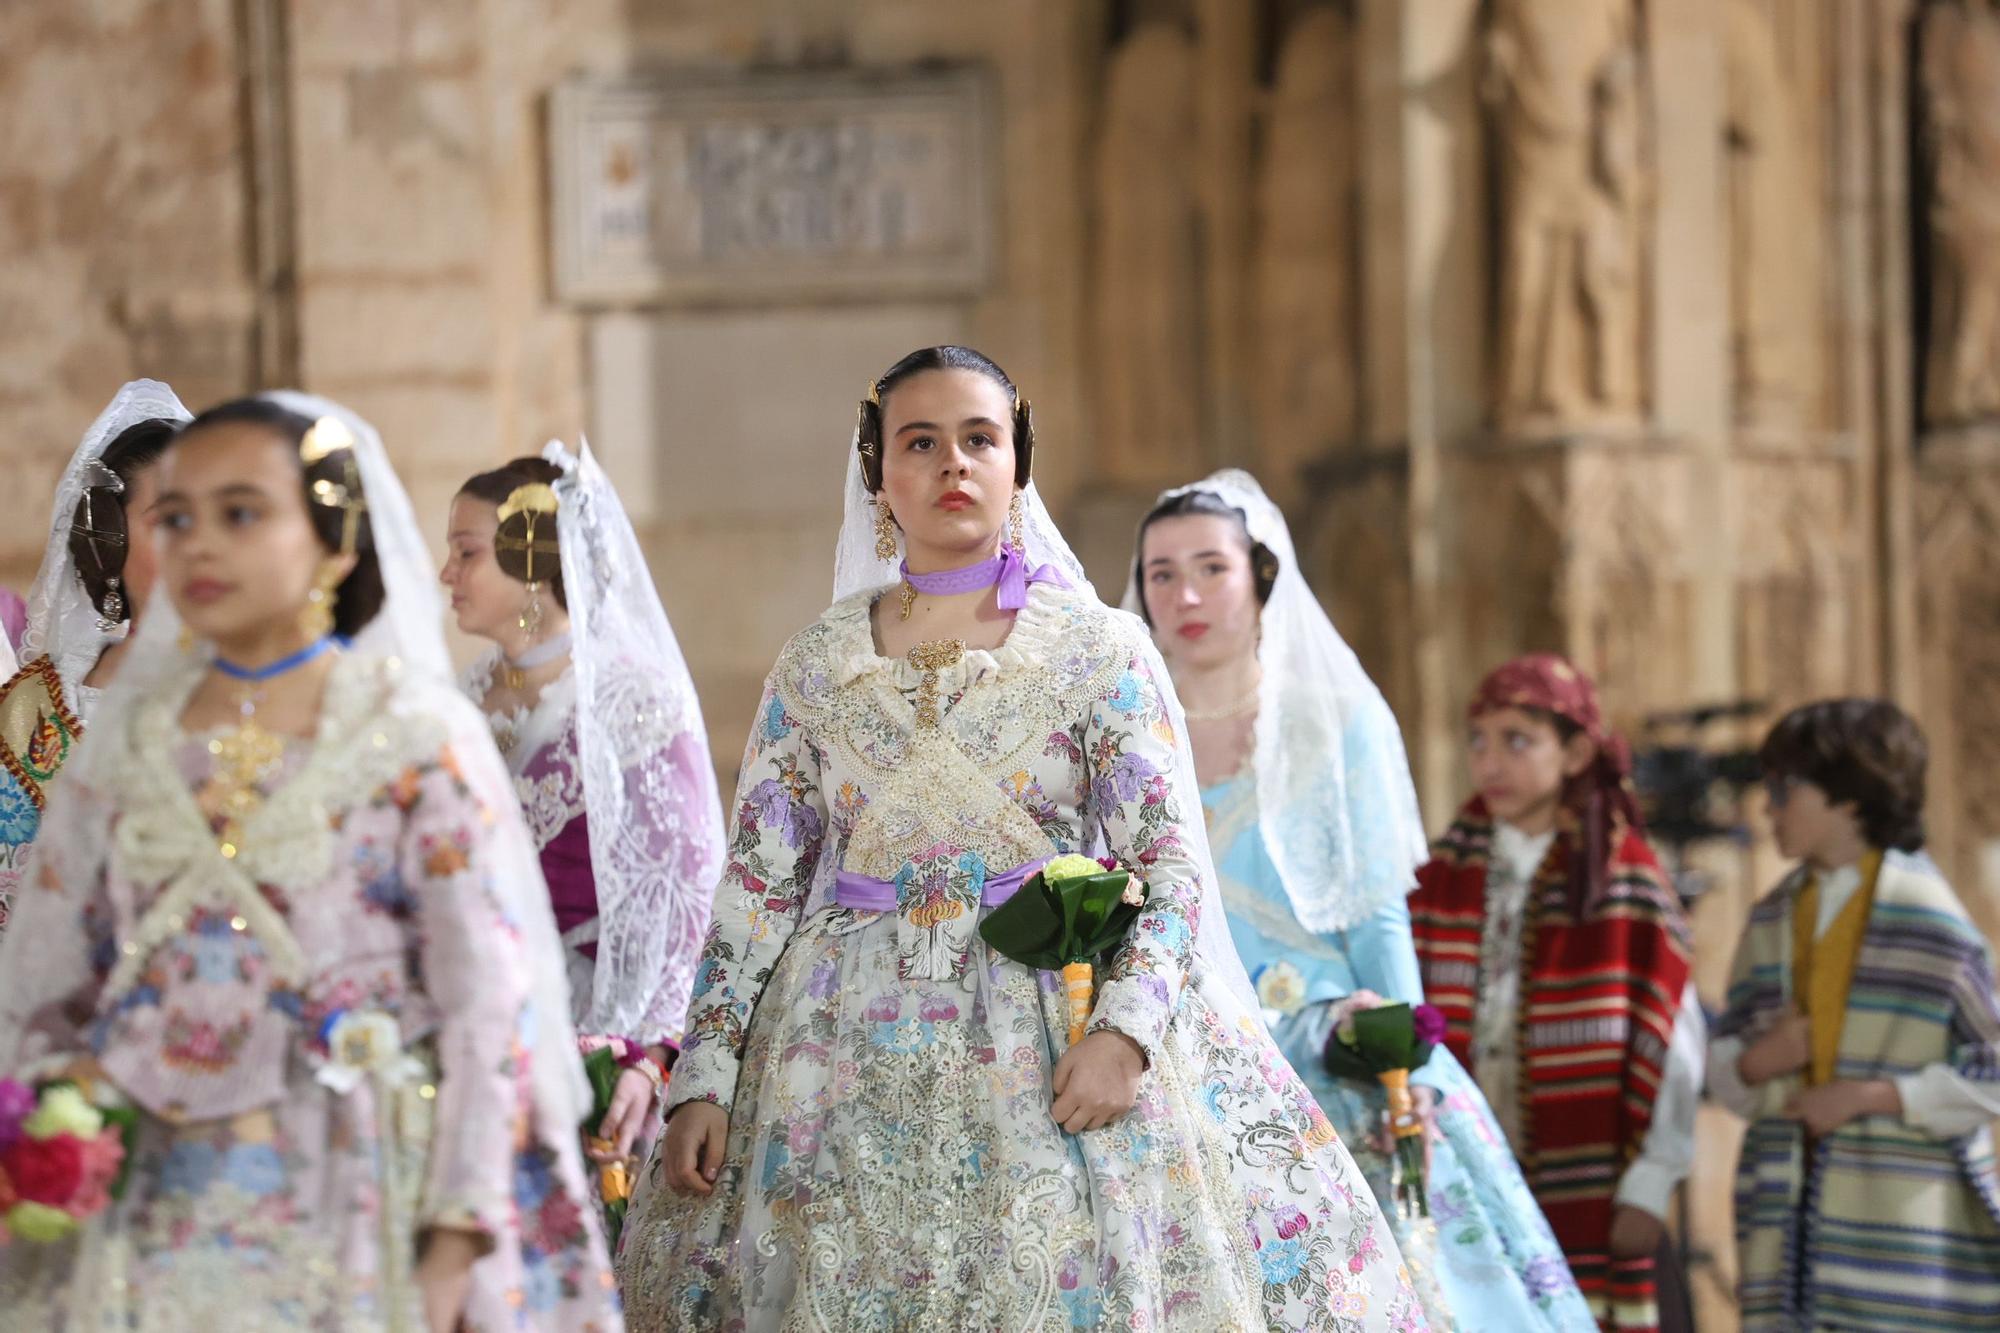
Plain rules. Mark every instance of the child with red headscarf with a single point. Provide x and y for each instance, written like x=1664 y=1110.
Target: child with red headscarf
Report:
x=1555 y=944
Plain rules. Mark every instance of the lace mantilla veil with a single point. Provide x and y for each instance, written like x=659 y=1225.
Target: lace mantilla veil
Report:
x=45 y=937
x=856 y=568
x=1346 y=837
x=62 y=624
x=656 y=840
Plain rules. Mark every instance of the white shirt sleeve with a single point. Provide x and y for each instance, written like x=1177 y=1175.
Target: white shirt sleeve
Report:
x=1667 y=1155
x=1945 y=1103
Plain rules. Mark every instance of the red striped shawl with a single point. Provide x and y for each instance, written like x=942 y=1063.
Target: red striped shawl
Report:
x=1599 y=998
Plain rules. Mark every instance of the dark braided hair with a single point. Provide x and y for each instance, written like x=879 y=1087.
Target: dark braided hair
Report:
x=948 y=356
x=1263 y=560
x=100 y=530
x=494 y=487
x=360 y=595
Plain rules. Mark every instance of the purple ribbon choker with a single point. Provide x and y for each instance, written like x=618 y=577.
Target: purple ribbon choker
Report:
x=1009 y=569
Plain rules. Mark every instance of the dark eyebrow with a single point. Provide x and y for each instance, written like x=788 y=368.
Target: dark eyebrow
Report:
x=235 y=490
x=932 y=425
x=1168 y=560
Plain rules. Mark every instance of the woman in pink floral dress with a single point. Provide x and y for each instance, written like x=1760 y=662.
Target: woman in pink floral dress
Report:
x=289 y=912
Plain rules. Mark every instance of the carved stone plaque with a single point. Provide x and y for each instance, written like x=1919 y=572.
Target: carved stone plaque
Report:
x=698 y=188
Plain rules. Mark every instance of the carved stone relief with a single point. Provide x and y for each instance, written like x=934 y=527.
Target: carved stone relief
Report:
x=1564 y=81
x=1958 y=90
x=1771 y=210
x=1146 y=304
x=1305 y=255
x=1958 y=604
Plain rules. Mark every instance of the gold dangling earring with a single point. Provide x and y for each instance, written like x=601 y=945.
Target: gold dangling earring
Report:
x=1017 y=525
x=316 y=620
x=531 y=614
x=885 y=532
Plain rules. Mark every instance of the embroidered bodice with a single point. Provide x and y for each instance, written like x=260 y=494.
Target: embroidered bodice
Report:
x=934 y=774
x=359 y=885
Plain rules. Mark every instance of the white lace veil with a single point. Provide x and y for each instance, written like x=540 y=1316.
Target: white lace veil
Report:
x=649 y=792
x=407 y=628
x=856 y=568
x=62 y=624
x=1334 y=797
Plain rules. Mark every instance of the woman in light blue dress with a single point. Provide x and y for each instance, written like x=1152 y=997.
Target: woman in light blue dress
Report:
x=1313 y=821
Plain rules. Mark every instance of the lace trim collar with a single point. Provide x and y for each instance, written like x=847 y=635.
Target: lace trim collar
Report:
x=525 y=732
x=851 y=640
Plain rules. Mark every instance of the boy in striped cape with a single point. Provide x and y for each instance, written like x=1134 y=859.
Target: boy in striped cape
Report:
x=1554 y=944
x=1862 y=1042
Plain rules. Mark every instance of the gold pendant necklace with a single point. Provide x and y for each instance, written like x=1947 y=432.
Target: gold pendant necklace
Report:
x=244 y=760
x=930 y=658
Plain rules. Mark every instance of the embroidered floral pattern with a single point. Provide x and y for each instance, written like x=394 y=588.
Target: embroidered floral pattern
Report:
x=292 y=1142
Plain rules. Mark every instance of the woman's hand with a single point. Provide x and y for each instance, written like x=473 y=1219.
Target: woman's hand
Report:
x=1424 y=1102
x=692 y=1153
x=444 y=1275
x=1096 y=1081
x=1348 y=1005
x=631 y=1098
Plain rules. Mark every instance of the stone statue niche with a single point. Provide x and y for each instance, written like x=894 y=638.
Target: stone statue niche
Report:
x=1304 y=255
x=1564 y=86
x=1771 y=214
x=1145 y=262
x=1958 y=87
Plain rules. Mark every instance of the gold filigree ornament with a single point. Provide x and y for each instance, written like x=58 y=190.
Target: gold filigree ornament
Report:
x=535 y=504
x=245 y=758
x=328 y=437
x=931 y=658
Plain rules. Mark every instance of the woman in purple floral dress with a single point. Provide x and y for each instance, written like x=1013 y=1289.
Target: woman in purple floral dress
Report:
x=880 y=1123
x=591 y=705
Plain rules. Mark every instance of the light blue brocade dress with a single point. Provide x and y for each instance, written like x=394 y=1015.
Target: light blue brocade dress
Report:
x=1493 y=1262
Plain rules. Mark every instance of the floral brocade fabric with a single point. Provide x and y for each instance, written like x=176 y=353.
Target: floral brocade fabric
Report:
x=891 y=1160
x=265 y=1190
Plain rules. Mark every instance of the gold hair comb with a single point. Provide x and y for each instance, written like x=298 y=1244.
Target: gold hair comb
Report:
x=329 y=435
x=534 y=500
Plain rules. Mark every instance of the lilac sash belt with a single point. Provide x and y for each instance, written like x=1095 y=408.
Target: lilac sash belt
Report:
x=865 y=893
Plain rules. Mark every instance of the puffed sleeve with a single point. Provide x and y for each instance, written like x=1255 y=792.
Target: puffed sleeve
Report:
x=471 y=966
x=1141 y=812
x=779 y=826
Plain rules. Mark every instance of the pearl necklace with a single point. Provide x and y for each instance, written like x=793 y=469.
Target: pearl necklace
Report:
x=1236 y=708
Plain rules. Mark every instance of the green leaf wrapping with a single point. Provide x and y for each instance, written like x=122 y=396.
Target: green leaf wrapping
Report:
x=1071 y=921
x=1385 y=1038
x=601 y=1068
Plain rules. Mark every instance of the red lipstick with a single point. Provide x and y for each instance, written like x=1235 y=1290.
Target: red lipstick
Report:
x=954 y=501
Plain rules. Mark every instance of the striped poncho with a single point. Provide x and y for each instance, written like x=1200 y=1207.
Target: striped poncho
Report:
x=1600 y=990
x=1878 y=1225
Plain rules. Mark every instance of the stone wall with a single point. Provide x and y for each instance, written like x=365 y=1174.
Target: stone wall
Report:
x=123 y=201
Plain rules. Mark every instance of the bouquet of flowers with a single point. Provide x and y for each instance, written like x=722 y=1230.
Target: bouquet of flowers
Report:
x=1378 y=1042
x=604 y=1059
x=62 y=1159
x=1070 y=912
